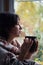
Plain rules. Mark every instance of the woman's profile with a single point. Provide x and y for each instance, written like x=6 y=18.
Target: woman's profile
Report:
x=10 y=28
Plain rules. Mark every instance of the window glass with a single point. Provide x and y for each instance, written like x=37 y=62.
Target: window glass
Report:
x=31 y=15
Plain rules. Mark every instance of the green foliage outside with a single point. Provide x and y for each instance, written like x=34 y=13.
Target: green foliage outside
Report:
x=31 y=14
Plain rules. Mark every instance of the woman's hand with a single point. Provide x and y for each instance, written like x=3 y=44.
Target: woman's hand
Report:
x=25 y=46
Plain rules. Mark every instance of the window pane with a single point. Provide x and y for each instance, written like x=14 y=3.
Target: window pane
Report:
x=31 y=15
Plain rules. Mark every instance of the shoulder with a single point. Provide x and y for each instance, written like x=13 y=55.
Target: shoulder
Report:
x=3 y=54
x=2 y=51
x=1 y=43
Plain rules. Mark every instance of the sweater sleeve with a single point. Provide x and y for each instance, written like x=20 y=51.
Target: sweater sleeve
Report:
x=36 y=63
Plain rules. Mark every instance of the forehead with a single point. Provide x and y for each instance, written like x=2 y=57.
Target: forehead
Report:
x=18 y=21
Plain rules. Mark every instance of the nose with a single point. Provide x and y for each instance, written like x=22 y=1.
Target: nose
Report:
x=20 y=27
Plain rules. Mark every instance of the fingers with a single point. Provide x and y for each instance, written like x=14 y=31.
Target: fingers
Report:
x=28 y=41
x=36 y=40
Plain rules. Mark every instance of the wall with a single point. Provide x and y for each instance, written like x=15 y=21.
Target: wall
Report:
x=7 y=6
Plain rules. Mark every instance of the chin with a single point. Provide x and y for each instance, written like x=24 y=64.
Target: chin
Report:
x=18 y=34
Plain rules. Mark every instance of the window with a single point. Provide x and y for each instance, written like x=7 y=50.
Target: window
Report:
x=31 y=14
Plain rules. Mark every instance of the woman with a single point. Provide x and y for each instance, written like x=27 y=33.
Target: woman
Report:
x=10 y=28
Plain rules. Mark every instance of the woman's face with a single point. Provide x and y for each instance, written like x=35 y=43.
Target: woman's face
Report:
x=16 y=30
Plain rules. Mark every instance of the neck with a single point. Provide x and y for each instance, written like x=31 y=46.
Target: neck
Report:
x=10 y=38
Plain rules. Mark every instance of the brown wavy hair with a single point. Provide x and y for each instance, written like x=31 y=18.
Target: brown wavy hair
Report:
x=7 y=21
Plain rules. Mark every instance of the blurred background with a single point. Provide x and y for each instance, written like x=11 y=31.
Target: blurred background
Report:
x=31 y=19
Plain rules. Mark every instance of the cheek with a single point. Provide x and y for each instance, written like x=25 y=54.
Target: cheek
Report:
x=13 y=31
x=16 y=31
